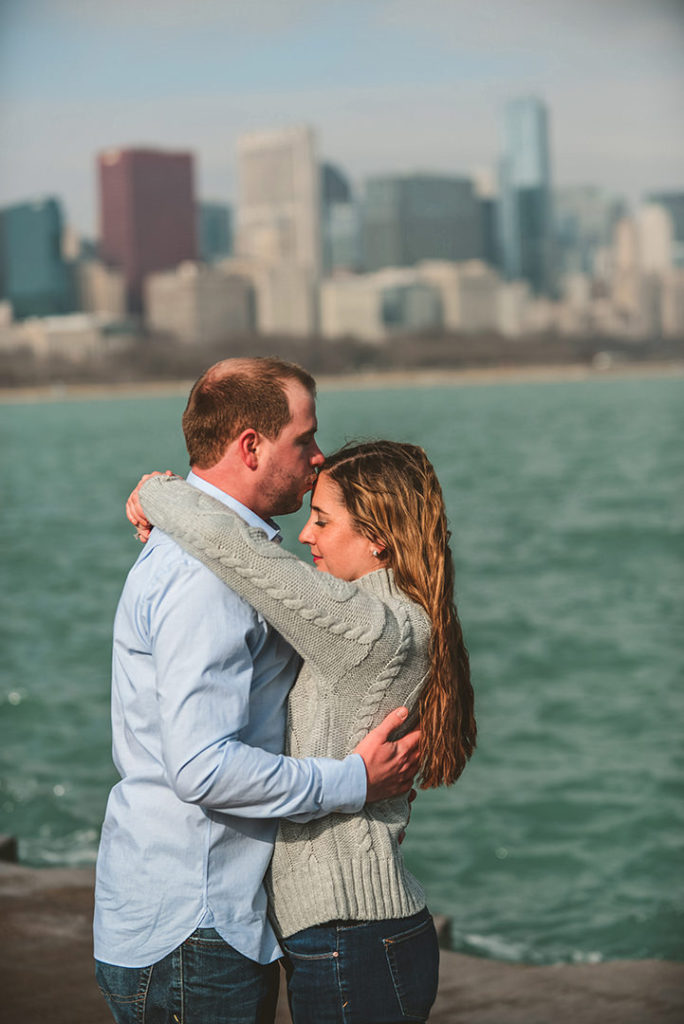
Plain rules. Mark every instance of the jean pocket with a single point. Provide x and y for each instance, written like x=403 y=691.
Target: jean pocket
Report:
x=297 y=955
x=413 y=959
x=125 y=990
x=316 y=943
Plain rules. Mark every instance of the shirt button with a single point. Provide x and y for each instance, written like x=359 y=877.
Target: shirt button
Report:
x=336 y=954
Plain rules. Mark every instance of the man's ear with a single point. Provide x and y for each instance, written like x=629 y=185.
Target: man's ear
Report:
x=248 y=447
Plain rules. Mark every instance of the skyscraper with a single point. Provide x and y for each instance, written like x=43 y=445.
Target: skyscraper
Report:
x=340 y=222
x=655 y=232
x=214 y=231
x=36 y=279
x=414 y=217
x=334 y=186
x=526 y=214
x=147 y=213
x=673 y=202
x=278 y=208
x=584 y=221
x=278 y=226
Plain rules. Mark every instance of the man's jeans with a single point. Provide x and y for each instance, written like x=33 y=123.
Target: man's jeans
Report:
x=371 y=972
x=204 y=981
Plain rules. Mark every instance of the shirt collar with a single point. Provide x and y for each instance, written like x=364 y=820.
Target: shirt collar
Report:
x=271 y=529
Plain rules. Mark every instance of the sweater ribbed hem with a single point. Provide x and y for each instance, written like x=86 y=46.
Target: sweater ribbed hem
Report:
x=365 y=889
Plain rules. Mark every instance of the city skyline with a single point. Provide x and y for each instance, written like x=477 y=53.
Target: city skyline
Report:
x=388 y=86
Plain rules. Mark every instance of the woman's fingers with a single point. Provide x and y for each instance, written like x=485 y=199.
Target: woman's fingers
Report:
x=134 y=510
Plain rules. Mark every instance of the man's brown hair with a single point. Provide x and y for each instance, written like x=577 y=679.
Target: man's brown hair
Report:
x=232 y=396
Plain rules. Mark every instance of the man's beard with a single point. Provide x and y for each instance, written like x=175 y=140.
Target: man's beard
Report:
x=285 y=500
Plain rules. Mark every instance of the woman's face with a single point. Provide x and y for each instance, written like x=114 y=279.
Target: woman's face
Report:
x=337 y=547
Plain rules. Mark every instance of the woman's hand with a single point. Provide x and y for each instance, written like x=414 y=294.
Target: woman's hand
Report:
x=134 y=512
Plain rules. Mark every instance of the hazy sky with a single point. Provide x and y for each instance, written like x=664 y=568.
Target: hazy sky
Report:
x=390 y=85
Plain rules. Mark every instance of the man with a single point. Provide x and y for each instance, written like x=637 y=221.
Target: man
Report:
x=199 y=687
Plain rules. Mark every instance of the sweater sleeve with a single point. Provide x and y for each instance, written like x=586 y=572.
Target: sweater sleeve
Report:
x=329 y=622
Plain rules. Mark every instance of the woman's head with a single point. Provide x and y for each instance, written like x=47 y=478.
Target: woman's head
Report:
x=382 y=507
x=384 y=492
x=337 y=544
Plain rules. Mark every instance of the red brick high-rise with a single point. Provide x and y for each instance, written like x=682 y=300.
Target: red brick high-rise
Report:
x=147 y=213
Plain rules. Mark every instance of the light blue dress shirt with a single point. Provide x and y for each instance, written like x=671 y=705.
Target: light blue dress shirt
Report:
x=199 y=690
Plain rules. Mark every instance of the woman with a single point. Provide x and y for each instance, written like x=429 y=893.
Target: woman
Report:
x=376 y=626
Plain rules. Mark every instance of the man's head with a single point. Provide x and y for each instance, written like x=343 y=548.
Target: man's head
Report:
x=233 y=395
x=250 y=427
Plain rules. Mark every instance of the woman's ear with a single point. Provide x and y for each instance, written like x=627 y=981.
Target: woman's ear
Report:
x=378 y=549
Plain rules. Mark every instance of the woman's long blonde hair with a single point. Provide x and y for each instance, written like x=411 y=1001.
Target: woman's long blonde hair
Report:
x=392 y=493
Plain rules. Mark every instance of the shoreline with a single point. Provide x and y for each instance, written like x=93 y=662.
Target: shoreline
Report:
x=365 y=380
x=47 y=970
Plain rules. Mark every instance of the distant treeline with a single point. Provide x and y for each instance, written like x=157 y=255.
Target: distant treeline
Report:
x=157 y=357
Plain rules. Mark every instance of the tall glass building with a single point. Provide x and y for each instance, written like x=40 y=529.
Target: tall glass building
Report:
x=526 y=213
x=408 y=218
x=340 y=222
x=584 y=220
x=214 y=231
x=35 y=278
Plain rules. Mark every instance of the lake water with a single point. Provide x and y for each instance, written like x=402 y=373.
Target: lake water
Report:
x=564 y=839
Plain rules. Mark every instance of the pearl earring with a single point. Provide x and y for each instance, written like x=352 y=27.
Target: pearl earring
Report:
x=375 y=553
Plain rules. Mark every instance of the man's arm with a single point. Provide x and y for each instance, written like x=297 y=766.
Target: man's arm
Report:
x=200 y=632
x=391 y=765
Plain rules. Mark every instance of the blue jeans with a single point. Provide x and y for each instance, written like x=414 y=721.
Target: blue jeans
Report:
x=204 y=981
x=369 y=972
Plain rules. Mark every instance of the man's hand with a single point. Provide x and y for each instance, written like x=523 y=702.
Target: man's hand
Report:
x=134 y=512
x=390 y=765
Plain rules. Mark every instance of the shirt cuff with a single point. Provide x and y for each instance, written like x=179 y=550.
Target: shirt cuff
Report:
x=345 y=784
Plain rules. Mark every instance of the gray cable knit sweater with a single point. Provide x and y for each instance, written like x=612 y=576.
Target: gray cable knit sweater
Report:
x=365 y=651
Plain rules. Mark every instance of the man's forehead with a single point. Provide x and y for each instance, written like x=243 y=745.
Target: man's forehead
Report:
x=295 y=387
x=300 y=399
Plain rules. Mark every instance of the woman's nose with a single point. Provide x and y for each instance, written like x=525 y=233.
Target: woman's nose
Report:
x=305 y=536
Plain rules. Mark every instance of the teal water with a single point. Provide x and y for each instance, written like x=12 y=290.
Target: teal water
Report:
x=563 y=840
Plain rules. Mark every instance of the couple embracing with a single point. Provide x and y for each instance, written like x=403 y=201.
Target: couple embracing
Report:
x=269 y=717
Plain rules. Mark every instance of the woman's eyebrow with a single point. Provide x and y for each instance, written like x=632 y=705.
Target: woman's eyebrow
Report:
x=317 y=508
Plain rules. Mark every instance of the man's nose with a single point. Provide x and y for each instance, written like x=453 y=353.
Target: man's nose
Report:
x=318 y=458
